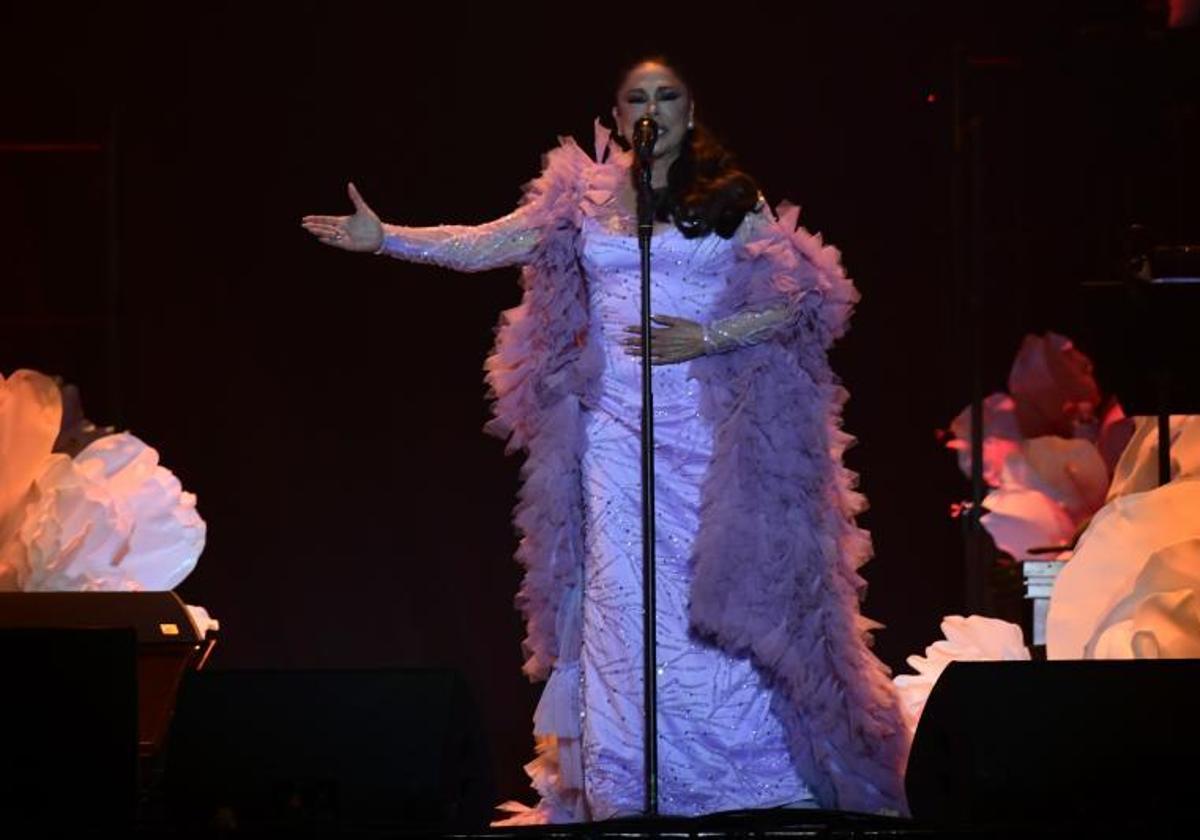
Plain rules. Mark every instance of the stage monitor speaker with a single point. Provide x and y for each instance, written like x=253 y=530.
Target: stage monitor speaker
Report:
x=327 y=749
x=1078 y=742
x=168 y=643
x=69 y=707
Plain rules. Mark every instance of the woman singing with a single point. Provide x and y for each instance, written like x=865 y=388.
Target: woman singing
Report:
x=768 y=693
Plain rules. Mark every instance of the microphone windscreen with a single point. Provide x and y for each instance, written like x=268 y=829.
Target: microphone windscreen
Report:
x=645 y=132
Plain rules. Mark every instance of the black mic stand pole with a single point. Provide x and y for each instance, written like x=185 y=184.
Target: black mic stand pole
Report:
x=643 y=163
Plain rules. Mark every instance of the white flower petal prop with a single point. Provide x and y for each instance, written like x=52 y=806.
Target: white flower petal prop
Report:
x=1001 y=436
x=1053 y=387
x=30 y=415
x=1019 y=519
x=1048 y=487
x=112 y=519
x=1160 y=618
x=1070 y=471
x=1109 y=558
x=971 y=639
x=1137 y=470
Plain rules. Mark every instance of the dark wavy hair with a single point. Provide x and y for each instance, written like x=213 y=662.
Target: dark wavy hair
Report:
x=706 y=192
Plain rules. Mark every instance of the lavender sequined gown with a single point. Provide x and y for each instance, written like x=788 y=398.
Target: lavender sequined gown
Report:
x=720 y=745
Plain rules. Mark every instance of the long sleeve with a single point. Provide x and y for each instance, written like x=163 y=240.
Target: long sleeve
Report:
x=509 y=240
x=550 y=202
x=753 y=323
x=745 y=327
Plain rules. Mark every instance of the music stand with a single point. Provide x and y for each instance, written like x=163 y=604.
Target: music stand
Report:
x=1145 y=338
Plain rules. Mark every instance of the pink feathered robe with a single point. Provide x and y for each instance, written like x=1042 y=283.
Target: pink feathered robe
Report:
x=777 y=555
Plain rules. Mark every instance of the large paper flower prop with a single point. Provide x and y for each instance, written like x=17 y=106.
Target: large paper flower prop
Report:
x=1049 y=447
x=971 y=639
x=109 y=518
x=1130 y=589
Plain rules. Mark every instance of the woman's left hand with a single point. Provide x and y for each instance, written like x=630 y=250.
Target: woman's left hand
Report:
x=674 y=340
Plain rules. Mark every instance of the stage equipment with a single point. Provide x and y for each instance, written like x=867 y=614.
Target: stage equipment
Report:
x=322 y=749
x=168 y=642
x=1143 y=330
x=645 y=132
x=1103 y=742
x=70 y=713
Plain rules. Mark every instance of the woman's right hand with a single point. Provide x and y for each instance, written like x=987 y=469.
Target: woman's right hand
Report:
x=361 y=232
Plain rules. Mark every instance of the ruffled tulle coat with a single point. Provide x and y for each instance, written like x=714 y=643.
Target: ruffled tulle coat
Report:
x=778 y=552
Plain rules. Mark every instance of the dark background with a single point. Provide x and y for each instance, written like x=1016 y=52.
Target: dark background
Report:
x=326 y=407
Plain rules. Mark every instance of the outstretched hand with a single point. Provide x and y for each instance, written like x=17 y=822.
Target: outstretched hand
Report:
x=674 y=340
x=361 y=232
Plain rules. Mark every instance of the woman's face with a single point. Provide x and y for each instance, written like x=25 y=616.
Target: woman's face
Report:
x=652 y=89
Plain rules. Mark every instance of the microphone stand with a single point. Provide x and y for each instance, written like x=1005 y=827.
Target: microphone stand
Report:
x=643 y=162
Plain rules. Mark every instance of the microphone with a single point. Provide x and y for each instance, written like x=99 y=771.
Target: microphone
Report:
x=645 y=132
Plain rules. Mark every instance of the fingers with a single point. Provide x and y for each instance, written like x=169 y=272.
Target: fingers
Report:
x=664 y=351
x=328 y=234
x=673 y=340
x=663 y=337
x=665 y=320
x=356 y=199
x=325 y=228
x=668 y=358
x=318 y=229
